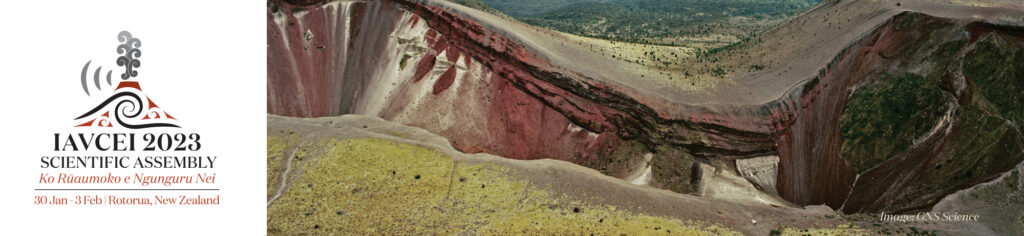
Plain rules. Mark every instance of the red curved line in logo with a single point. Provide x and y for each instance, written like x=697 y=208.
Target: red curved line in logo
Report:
x=129 y=84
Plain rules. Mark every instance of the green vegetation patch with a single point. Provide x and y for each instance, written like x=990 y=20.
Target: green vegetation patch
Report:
x=996 y=66
x=981 y=146
x=477 y=4
x=374 y=186
x=885 y=115
x=641 y=20
x=402 y=63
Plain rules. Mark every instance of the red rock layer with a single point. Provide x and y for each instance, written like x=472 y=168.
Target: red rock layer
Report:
x=518 y=122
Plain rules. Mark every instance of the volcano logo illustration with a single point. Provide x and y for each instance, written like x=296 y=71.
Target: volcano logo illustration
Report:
x=126 y=103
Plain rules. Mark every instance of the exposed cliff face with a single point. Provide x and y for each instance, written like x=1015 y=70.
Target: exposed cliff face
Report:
x=325 y=57
x=443 y=72
x=973 y=141
x=939 y=161
x=423 y=65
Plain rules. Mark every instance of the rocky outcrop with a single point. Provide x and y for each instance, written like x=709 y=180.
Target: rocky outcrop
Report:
x=424 y=65
x=760 y=171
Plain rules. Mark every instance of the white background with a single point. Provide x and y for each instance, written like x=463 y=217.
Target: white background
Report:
x=202 y=62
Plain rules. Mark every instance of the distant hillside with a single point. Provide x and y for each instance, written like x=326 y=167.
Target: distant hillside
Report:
x=710 y=22
x=477 y=4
